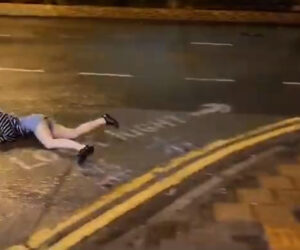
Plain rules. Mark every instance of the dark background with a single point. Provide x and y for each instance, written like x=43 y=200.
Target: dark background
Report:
x=276 y=5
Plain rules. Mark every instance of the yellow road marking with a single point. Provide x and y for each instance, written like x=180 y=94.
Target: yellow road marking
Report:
x=44 y=235
x=17 y=247
x=139 y=198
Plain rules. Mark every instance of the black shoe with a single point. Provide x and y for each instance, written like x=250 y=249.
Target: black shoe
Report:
x=111 y=121
x=84 y=153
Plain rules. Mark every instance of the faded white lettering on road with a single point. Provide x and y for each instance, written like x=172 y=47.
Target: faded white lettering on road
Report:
x=31 y=159
x=168 y=121
x=172 y=148
x=107 y=174
x=149 y=127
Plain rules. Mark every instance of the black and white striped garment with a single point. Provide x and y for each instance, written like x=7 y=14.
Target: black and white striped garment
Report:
x=10 y=128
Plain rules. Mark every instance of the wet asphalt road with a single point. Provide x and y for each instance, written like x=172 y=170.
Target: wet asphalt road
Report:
x=159 y=57
x=142 y=73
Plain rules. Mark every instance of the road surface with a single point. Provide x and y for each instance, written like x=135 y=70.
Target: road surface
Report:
x=174 y=88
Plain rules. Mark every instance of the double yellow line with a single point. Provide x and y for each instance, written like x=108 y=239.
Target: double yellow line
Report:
x=190 y=164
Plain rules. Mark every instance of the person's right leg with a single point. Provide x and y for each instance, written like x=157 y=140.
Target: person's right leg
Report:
x=60 y=131
x=44 y=135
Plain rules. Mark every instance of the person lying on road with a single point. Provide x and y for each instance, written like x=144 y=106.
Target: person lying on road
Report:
x=51 y=134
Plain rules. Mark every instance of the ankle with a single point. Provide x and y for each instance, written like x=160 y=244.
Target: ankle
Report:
x=84 y=153
x=81 y=148
x=110 y=121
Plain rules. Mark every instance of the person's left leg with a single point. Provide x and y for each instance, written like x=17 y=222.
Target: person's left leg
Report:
x=60 y=131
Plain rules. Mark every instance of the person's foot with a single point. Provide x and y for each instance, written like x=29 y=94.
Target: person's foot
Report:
x=111 y=121
x=84 y=153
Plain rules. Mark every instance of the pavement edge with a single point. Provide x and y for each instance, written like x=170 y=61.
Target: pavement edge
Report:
x=154 y=14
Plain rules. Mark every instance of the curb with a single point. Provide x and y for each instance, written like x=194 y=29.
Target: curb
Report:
x=212 y=183
x=254 y=17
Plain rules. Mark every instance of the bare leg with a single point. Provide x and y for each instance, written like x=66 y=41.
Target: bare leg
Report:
x=59 y=131
x=43 y=134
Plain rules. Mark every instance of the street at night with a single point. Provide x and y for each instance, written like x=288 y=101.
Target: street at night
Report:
x=174 y=87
